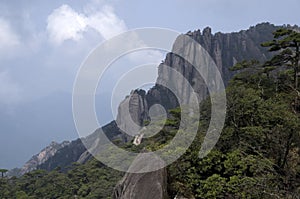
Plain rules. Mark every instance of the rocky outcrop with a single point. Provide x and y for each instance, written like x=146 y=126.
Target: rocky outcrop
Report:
x=132 y=113
x=224 y=48
x=64 y=156
x=148 y=185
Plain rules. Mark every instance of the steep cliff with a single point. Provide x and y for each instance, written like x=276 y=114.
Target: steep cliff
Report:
x=224 y=48
x=133 y=108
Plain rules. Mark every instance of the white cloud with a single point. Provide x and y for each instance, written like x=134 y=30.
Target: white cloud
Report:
x=8 y=38
x=66 y=24
x=9 y=90
x=106 y=22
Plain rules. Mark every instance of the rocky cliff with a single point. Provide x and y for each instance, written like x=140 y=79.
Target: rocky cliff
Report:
x=146 y=186
x=136 y=106
x=225 y=49
x=143 y=185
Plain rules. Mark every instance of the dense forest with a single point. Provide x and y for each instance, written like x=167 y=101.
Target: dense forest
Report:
x=257 y=155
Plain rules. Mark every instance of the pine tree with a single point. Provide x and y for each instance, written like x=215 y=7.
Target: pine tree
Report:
x=287 y=42
x=3 y=171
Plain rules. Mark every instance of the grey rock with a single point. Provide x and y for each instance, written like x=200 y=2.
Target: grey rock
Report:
x=143 y=185
x=224 y=48
x=132 y=113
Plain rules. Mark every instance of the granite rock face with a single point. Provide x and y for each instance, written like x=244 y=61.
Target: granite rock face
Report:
x=140 y=185
x=146 y=186
x=224 y=48
x=132 y=113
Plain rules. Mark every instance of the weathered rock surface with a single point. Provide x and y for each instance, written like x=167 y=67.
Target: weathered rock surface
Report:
x=148 y=185
x=142 y=186
x=132 y=112
x=224 y=48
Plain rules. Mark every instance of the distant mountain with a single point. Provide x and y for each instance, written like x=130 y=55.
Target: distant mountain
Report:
x=38 y=159
x=76 y=151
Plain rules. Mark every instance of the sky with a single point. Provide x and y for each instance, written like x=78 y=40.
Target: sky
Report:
x=43 y=43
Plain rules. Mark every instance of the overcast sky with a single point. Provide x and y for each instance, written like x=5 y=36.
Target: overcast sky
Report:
x=43 y=43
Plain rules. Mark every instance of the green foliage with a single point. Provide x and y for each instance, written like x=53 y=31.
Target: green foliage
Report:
x=287 y=43
x=258 y=154
x=91 y=180
x=244 y=64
